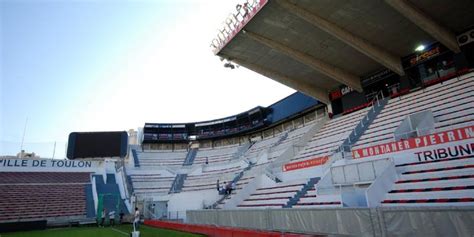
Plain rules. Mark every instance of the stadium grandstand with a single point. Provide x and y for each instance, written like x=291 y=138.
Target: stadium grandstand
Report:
x=378 y=140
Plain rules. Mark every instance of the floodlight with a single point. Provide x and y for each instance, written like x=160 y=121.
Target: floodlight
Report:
x=420 y=48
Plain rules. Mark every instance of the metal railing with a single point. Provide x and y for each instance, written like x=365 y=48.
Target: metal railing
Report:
x=413 y=133
x=376 y=101
x=365 y=171
x=235 y=22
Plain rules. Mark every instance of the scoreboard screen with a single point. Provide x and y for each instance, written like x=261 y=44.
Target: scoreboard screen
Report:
x=97 y=144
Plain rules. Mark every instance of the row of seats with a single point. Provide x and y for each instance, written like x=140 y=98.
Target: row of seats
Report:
x=216 y=155
x=161 y=158
x=443 y=182
x=208 y=178
x=435 y=183
x=43 y=177
x=312 y=200
x=273 y=196
x=262 y=145
x=450 y=102
x=39 y=195
x=151 y=184
x=431 y=182
x=293 y=137
x=331 y=135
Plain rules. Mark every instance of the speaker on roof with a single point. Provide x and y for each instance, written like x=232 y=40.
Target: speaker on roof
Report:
x=466 y=37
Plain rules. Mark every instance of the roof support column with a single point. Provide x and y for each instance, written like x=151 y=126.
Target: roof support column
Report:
x=376 y=53
x=299 y=85
x=327 y=69
x=419 y=18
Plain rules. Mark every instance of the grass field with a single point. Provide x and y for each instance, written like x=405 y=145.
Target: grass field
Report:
x=117 y=231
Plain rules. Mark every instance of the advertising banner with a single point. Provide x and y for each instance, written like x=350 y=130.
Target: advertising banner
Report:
x=447 y=144
x=305 y=163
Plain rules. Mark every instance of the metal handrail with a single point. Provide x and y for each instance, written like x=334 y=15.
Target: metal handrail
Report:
x=376 y=100
x=417 y=130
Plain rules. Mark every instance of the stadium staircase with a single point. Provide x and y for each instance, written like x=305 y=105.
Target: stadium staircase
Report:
x=294 y=200
x=291 y=151
x=241 y=151
x=90 y=209
x=110 y=192
x=135 y=158
x=377 y=106
x=130 y=184
x=282 y=138
x=178 y=183
x=219 y=203
x=190 y=156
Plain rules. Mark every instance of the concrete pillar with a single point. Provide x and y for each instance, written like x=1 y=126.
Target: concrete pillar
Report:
x=338 y=74
x=306 y=88
x=374 y=52
x=426 y=23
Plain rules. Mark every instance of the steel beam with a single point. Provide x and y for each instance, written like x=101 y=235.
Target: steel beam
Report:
x=387 y=59
x=426 y=23
x=327 y=69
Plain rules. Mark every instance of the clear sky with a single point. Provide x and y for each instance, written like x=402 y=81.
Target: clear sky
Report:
x=104 y=65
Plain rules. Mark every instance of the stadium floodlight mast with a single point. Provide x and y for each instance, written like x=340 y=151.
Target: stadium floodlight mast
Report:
x=23 y=138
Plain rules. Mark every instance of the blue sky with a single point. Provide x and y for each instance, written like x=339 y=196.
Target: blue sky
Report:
x=114 y=65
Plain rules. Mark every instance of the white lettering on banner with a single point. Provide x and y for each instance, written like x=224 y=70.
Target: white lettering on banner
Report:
x=412 y=143
x=346 y=90
x=45 y=163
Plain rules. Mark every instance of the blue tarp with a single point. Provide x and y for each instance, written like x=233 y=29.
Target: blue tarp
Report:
x=293 y=104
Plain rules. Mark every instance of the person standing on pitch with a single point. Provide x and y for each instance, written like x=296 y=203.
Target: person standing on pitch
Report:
x=102 y=218
x=121 y=216
x=112 y=218
x=136 y=220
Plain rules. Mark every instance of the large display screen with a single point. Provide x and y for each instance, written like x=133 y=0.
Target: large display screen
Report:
x=97 y=144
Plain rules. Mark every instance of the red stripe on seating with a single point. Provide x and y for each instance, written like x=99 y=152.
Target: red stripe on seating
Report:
x=432 y=189
x=440 y=200
x=270 y=198
x=317 y=203
x=435 y=179
x=440 y=169
x=289 y=191
x=286 y=186
x=261 y=205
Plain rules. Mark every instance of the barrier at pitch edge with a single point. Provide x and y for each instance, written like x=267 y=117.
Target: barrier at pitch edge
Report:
x=454 y=135
x=215 y=230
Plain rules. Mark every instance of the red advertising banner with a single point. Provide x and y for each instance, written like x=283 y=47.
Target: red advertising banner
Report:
x=454 y=135
x=305 y=163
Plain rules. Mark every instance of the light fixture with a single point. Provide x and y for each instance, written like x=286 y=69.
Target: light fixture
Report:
x=229 y=65
x=420 y=48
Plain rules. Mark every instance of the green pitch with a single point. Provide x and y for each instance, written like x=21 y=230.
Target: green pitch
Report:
x=117 y=231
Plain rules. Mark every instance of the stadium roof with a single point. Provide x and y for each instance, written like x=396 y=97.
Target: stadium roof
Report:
x=316 y=46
